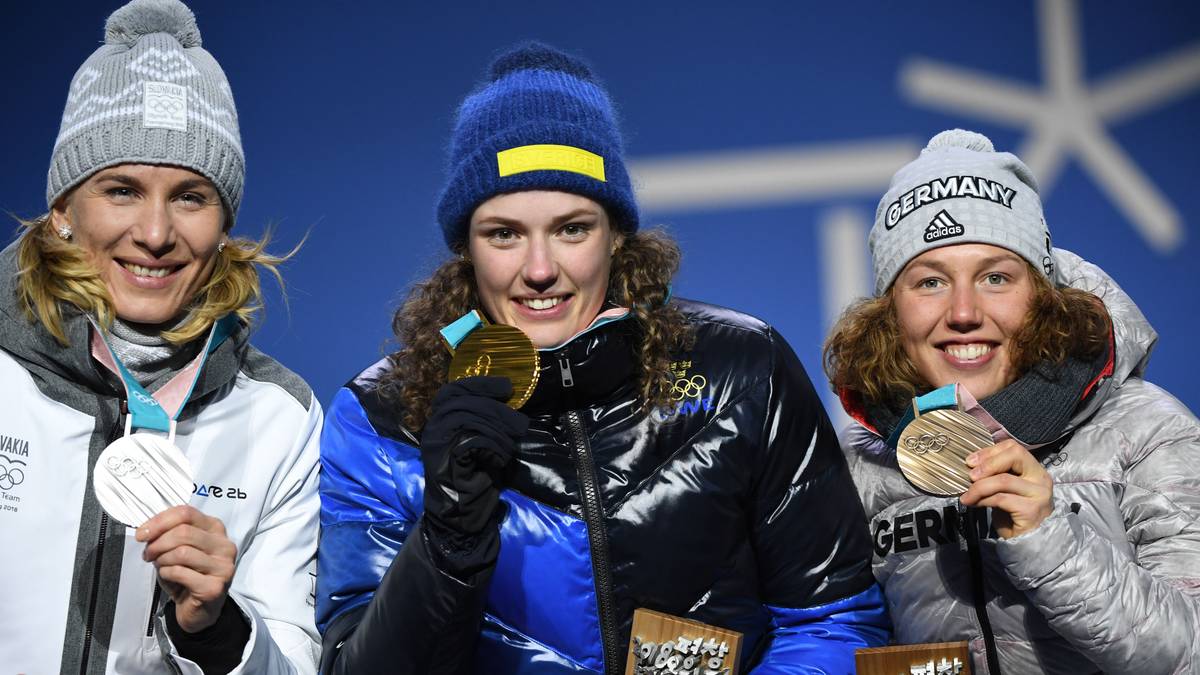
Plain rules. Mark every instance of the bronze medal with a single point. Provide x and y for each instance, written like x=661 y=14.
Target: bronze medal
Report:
x=933 y=448
x=500 y=351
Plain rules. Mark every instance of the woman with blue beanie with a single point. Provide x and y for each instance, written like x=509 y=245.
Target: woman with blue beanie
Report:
x=668 y=455
x=158 y=474
x=1067 y=540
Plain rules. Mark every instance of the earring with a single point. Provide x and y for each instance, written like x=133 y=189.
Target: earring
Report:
x=65 y=232
x=221 y=247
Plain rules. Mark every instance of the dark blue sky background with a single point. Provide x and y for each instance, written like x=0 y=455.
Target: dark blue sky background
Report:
x=345 y=109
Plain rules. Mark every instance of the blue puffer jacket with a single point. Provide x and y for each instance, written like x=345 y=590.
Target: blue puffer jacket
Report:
x=735 y=509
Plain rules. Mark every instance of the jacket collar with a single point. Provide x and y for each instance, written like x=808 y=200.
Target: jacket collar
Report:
x=593 y=367
x=1132 y=335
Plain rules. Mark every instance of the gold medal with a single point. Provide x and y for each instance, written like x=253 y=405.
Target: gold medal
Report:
x=497 y=350
x=933 y=448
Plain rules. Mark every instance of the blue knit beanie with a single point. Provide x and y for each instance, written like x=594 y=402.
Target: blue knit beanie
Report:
x=541 y=122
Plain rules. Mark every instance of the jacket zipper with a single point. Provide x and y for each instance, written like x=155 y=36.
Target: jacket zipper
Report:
x=968 y=520
x=91 y=615
x=593 y=516
x=153 y=608
x=564 y=366
x=94 y=595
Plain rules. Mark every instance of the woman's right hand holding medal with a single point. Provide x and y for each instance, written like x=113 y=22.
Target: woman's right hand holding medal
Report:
x=469 y=439
x=1008 y=478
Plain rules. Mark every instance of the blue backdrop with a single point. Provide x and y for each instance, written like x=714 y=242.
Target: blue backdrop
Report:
x=761 y=134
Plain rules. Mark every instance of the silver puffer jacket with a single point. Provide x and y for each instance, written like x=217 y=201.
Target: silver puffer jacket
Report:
x=1110 y=582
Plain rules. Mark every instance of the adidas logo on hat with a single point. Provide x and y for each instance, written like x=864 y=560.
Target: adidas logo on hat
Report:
x=942 y=226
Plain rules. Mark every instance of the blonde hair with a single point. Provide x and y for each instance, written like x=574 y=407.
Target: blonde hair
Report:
x=865 y=356
x=53 y=271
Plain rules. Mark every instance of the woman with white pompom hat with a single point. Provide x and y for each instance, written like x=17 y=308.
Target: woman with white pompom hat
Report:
x=158 y=474
x=1065 y=537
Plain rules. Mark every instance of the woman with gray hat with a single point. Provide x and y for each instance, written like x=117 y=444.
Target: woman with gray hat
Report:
x=1065 y=538
x=158 y=474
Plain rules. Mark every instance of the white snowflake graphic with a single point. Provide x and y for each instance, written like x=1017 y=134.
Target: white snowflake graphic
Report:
x=1068 y=118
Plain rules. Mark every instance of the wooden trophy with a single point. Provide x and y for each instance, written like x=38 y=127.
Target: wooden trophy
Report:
x=661 y=644
x=934 y=658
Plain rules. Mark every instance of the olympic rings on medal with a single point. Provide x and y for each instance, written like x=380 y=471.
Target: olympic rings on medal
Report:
x=689 y=387
x=124 y=466
x=926 y=443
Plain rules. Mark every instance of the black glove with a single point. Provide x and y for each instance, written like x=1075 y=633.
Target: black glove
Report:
x=468 y=441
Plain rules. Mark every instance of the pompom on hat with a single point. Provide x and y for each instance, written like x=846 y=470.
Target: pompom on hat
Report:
x=150 y=94
x=541 y=122
x=959 y=191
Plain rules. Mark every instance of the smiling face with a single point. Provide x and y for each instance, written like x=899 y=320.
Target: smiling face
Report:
x=958 y=308
x=151 y=231
x=542 y=262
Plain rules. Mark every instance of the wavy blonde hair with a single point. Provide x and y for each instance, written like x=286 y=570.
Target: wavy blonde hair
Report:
x=640 y=279
x=52 y=271
x=864 y=354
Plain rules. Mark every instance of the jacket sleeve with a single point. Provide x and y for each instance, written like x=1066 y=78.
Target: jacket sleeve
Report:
x=1138 y=613
x=383 y=603
x=272 y=586
x=810 y=536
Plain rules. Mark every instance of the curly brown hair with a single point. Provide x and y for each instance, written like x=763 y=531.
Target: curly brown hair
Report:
x=640 y=279
x=864 y=354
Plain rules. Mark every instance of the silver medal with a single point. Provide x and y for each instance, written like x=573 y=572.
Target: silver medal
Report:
x=141 y=475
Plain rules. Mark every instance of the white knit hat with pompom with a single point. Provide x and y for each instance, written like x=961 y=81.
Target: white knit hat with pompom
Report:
x=959 y=191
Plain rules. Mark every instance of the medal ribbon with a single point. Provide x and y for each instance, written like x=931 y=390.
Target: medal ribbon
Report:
x=456 y=332
x=150 y=411
x=956 y=396
x=938 y=399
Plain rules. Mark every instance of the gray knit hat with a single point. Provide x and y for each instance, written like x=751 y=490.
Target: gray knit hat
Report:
x=150 y=95
x=958 y=191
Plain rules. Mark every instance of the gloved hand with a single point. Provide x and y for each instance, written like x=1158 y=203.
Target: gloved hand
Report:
x=468 y=441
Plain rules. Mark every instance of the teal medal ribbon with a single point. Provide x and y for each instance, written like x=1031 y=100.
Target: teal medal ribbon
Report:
x=142 y=474
x=942 y=398
x=145 y=411
x=458 y=331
